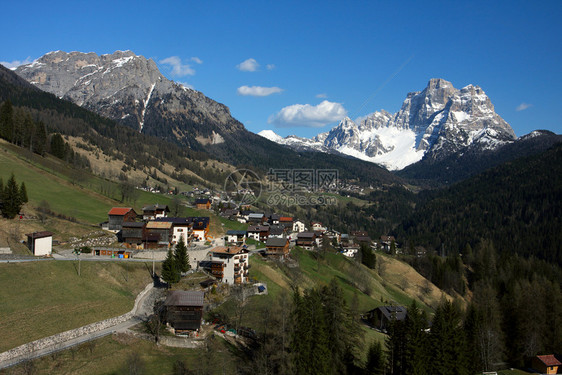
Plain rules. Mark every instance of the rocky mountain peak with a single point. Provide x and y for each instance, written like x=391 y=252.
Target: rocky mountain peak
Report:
x=130 y=89
x=432 y=123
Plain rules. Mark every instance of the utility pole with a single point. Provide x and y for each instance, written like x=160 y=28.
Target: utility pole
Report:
x=77 y=252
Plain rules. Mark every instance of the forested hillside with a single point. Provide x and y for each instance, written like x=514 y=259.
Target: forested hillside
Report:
x=517 y=206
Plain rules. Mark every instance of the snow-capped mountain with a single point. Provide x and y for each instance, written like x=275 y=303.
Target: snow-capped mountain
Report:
x=131 y=90
x=432 y=123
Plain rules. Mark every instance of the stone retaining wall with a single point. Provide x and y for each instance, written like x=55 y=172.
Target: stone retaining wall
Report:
x=57 y=340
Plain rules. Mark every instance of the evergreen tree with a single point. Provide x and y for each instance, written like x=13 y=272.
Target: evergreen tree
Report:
x=170 y=272
x=23 y=193
x=417 y=341
x=58 y=146
x=375 y=360
x=181 y=256
x=40 y=138
x=7 y=121
x=1 y=189
x=12 y=199
x=368 y=257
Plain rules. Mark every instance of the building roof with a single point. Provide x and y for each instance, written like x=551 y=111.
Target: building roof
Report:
x=155 y=207
x=276 y=242
x=236 y=232
x=133 y=224
x=158 y=225
x=393 y=312
x=387 y=238
x=185 y=298
x=256 y=216
x=549 y=360
x=276 y=231
x=202 y=201
x=233 y=250
x=120 y=211
x=306 y=235
x=285 y=219
x=173 y=220
x=36 y=235
x=258 y=228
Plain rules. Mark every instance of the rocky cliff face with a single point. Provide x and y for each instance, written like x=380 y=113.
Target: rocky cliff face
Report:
x=433 y=123
x=131 y=90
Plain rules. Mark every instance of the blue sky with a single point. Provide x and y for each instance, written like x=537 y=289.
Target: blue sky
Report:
x=263 y=59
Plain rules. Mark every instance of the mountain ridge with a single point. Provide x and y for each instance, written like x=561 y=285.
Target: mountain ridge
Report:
x=432 y=123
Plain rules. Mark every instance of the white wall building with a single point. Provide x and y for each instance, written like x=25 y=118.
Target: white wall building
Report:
x=40 y=243
x=230 y=264
x=298 y=226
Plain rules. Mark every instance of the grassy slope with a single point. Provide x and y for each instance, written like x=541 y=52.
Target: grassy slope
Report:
x=39 y=299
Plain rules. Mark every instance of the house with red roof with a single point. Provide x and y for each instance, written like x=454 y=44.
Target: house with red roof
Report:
x=119 y=215
x=546 y=364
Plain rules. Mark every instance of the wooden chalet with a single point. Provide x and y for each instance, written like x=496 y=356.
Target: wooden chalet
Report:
x=278 y=247
x=184 y=310
x=119 y=215
x=203 y=204
x=133 y=233
x=256 y=218
x=306 y=240
x=181 y=227
x=154 y=211
x=546 y=364
x=164 y=229
x=386 y=242
x=381 y=316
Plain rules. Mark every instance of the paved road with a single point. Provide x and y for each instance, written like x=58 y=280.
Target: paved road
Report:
x=142 y=312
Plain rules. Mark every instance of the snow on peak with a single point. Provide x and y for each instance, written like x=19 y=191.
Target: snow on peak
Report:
x=271 y=135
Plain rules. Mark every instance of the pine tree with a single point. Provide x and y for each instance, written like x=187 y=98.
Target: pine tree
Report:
x=417 y=341
x=23 y=193
x=57 y=146
x=11 y=199
x=181 y=257
x=6 y=120
x=40 y=138
x=170 y=273
x=375 y=360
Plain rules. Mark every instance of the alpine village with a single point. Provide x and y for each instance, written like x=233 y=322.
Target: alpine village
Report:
x=145 y=230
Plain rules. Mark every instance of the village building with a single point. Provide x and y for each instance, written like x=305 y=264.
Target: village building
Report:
x=154 y=211
x=258 y=232
x=306 y=240
x=230 y=264
x=277 y=231
x=274 y=219
x=203 y=204
x=181 y=227
x=40 y=243
x=236 y=237
x=381 y=316
x=546 y=364
x=298 y=226
x=133 y=234
x=200 y=227
x=119 y=215
x=184 y=310
x=317 y=226
x=256 y=218
x=386 y=242
x=163 y=229
x=278 y=247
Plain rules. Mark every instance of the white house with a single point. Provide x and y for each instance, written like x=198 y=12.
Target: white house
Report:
x=298 y=226
x=229 y=264
x=40 y=243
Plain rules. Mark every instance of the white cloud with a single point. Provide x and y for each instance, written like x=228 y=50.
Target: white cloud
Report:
x=178 y=69
x=322 y=96
x=523 y=106
x=197 y=60
x=270 y=66
x=250 y=65
x=258 y=90
x=308 y=115
x=14 y=64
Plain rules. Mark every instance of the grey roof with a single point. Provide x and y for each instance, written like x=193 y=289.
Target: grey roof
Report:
x=276 y=241
x=256 y=216
x=185 y=298
x=258 y=228
x=275 y=231
x=306 y=235
x=236 y=232
x=173 y=220
x=133 y=224
x=154 y=207
x=393 y=312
